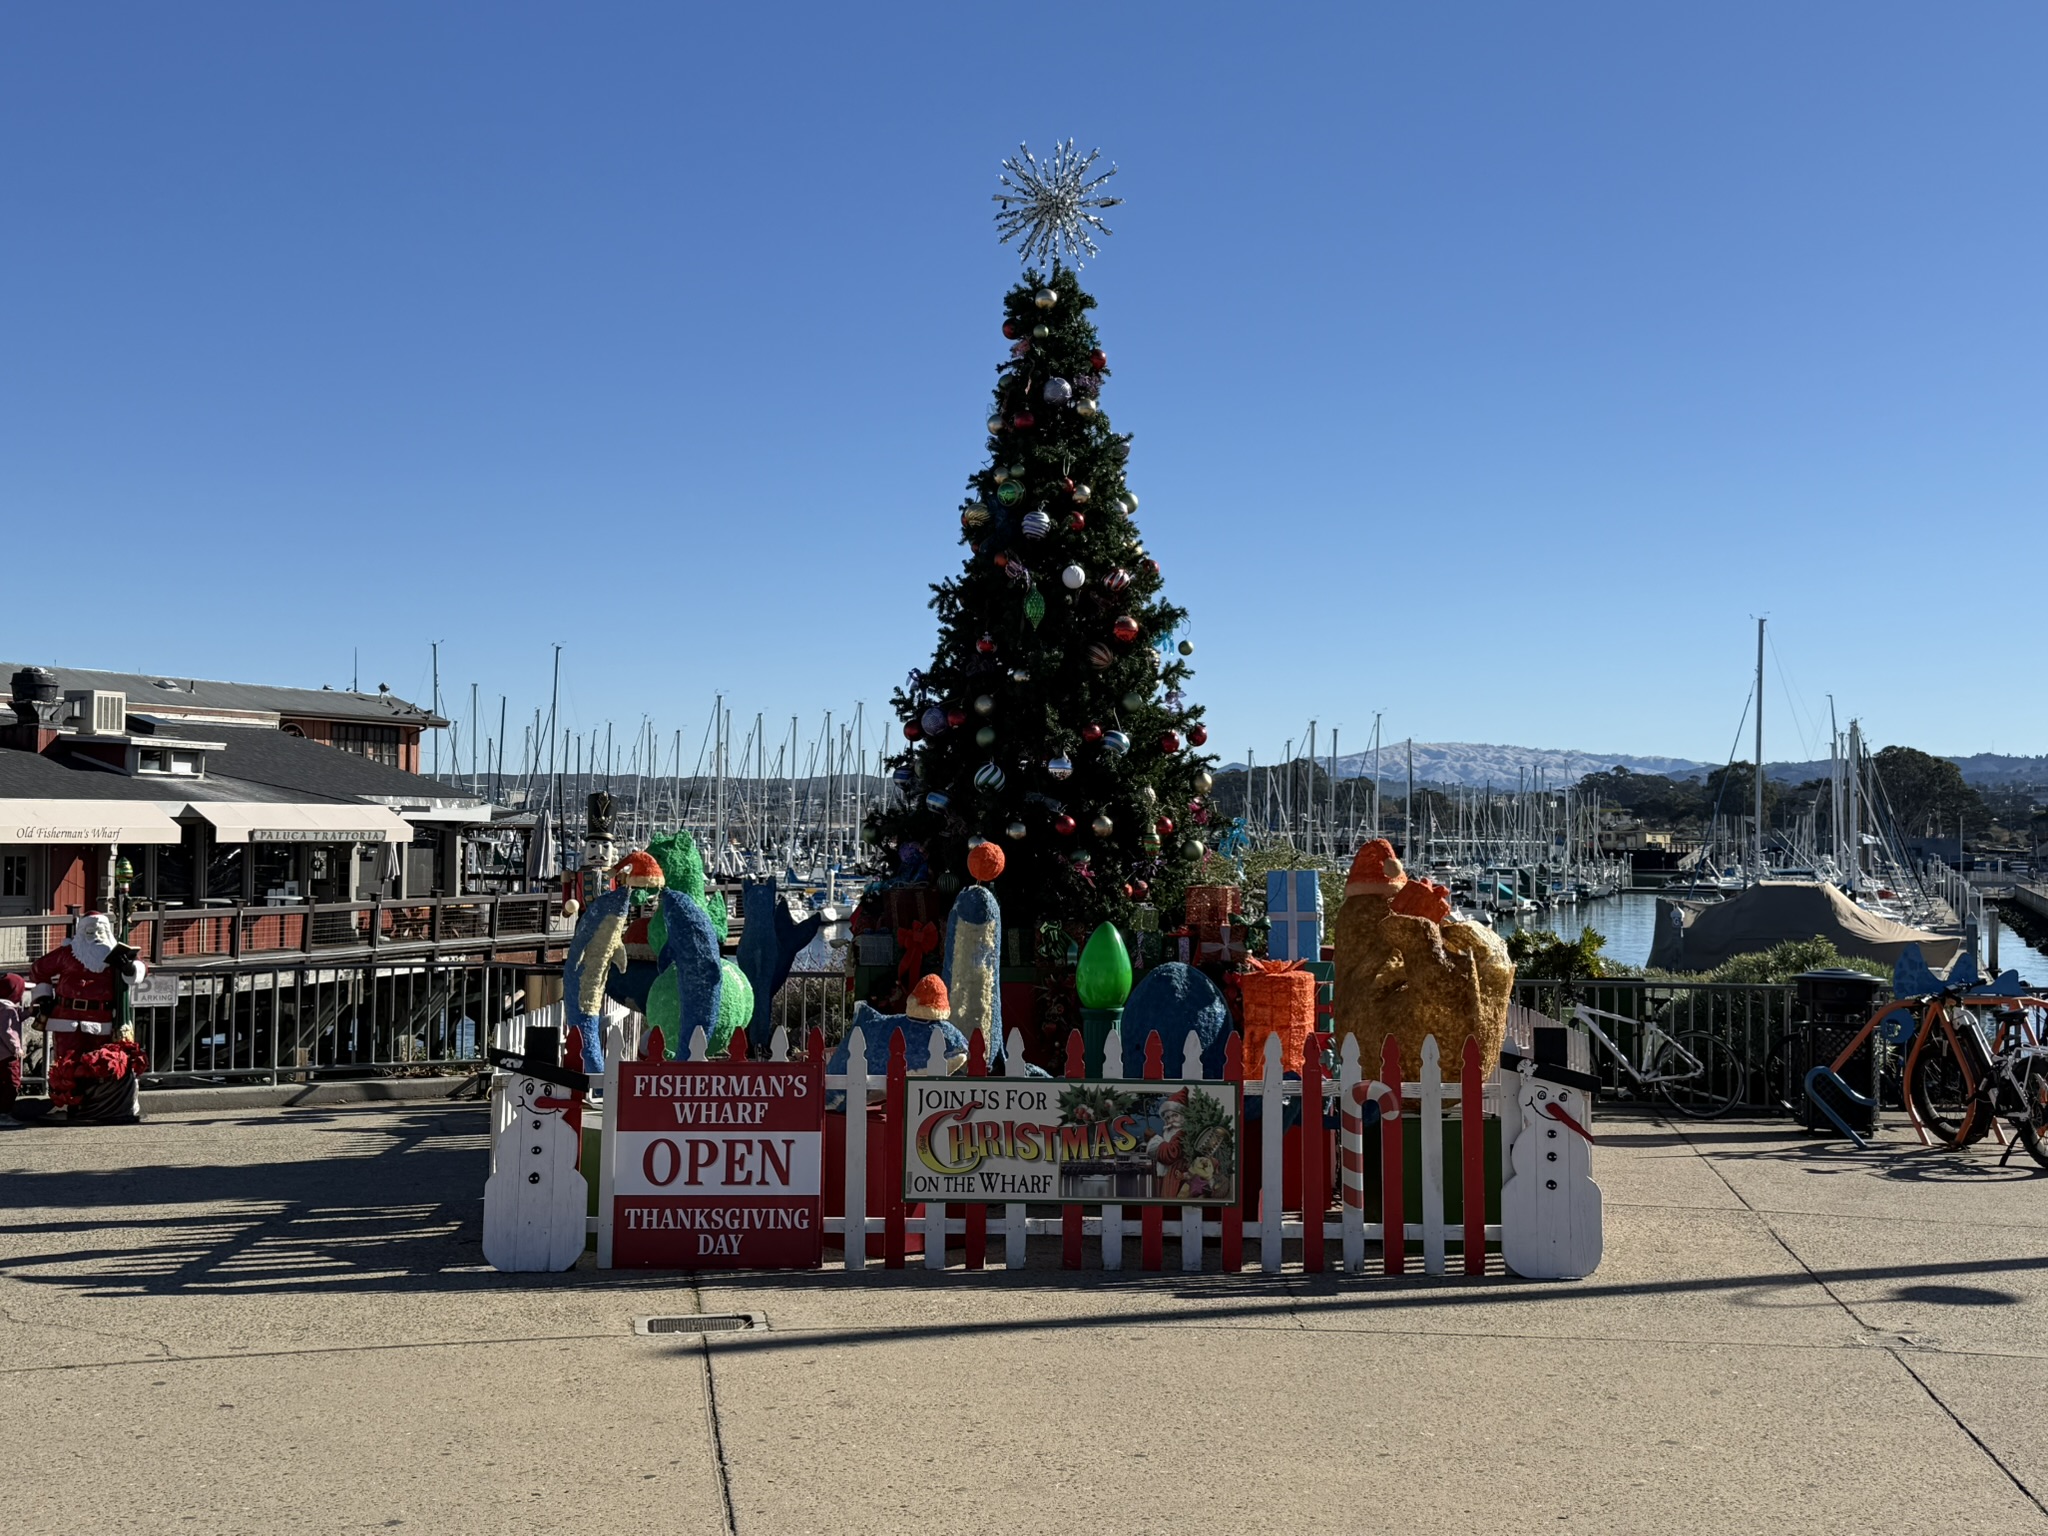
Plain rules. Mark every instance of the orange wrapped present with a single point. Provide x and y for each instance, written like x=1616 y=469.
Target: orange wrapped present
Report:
x=1279 y=999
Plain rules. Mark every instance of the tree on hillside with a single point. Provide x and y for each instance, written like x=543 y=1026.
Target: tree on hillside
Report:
x=1928 y=795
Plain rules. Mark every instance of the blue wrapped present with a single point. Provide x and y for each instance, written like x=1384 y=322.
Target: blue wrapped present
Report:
x=1294 y=903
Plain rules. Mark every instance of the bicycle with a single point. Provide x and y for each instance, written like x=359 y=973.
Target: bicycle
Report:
x=1958 y=1081
x=1698 y=1074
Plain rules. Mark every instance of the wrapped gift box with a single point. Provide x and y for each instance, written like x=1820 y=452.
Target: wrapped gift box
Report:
x=1294 y=907
x=1210 y=905
x=1214 y=943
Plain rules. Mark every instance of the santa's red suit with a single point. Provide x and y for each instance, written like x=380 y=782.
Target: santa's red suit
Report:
x=80 y=983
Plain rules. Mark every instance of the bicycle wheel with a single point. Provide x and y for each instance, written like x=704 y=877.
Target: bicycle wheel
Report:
x=1715 y=1089
x=1934 y=1084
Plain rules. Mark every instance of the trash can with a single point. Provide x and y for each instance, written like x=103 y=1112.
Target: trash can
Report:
x=1833 y=1005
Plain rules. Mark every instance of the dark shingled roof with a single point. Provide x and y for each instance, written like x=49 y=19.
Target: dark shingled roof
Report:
x=146 y=691
x=259 y=756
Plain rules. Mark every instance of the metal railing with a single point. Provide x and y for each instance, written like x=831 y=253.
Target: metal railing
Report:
x=180 y=936
x=1752 y=1019
x=299 y=1022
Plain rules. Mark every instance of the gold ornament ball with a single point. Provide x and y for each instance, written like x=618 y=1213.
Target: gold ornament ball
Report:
x=1187 y=647
x=1045 y=298
x=1148 y=796
x=1040 y=332
x=1102 y=826
x=1015 y=831
x=1084 y=408
x=985 y=704
x=1204 y=782
x=1001 y=475
x=995 y=425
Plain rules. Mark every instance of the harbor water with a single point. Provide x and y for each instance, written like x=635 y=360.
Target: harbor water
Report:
x=1629 y=922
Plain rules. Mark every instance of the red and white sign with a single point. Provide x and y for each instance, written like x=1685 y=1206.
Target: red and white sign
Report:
x=715 y=1165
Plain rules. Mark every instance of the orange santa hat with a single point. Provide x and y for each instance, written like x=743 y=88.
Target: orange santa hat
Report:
x=639 y=871
x=1375 y=872
x=928 y=1000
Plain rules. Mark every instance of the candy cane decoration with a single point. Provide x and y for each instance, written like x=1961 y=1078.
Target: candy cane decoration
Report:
x=1351 y=1121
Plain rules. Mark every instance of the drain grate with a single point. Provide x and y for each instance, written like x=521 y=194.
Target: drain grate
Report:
x=699 y=1322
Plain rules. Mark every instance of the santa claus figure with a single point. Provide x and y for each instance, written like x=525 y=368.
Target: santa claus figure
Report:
x=77 y=989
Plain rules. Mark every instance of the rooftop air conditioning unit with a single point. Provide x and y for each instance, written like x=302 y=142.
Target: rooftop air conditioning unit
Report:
x=97 y=713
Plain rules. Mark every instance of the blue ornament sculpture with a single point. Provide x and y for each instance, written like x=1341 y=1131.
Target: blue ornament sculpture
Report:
x=972 y=967
x=1176 y=1001
x=770 y=941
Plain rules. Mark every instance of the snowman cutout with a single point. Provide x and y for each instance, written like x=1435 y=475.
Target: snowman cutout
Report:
x=1550 y=1206
x=536 y=1200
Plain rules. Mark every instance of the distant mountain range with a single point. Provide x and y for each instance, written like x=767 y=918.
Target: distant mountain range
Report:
x=1473 y=765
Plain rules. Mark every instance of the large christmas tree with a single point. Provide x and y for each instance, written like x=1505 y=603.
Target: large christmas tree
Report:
x=1052 y=719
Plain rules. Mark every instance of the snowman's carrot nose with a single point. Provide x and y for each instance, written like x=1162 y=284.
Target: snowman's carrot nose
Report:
x=553 y=1103
x=1557 y=1111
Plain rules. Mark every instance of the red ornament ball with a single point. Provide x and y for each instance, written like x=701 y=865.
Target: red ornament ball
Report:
x=1077 y=522
x=1067 y=484
x=1198 y=735
x=1098 y=360
x=1125 y=629
x=1166 y=826
x=985 y=861
x=956 y=716
x=986 y=644
x=1064 y=825
x=1170 y=742
x=1153 y=567
x=1128 y=891
x=912 y=730
x=1022 y=420
x=1140 y=890
x=1091 y=732
x=1010 y=330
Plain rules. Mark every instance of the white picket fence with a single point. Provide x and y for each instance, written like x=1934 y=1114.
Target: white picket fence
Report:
x=1010 y=1227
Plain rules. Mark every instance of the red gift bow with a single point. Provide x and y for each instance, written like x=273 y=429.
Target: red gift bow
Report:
x=916 y=941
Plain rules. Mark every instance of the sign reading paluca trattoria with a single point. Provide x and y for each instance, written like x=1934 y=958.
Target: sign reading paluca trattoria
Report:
x=970 y=1140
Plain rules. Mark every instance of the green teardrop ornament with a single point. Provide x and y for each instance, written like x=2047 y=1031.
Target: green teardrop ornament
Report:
x=1034 y=606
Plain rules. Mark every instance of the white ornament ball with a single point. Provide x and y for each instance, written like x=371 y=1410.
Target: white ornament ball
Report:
x=1073 y=578
x=1058 y=390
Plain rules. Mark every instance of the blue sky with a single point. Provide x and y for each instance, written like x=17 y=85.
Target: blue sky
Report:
x=1491 y=366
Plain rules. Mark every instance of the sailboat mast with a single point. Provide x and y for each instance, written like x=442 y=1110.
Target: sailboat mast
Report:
x=1760 y=865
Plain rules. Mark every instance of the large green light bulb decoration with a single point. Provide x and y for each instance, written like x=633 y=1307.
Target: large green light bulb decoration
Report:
x=1101 y=982
x=1103 y=978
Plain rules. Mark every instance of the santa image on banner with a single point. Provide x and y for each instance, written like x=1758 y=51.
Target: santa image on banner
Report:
x=94 y=1073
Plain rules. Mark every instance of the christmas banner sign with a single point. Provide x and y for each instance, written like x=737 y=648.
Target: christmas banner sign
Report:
x=717 y=1165
x=998 y=1140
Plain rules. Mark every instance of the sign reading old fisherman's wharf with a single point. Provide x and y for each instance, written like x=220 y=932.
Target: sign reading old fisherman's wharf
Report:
x=997 y=1140
x=719 y=1165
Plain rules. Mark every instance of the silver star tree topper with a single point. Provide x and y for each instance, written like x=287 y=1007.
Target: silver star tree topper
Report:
x=1049 y=204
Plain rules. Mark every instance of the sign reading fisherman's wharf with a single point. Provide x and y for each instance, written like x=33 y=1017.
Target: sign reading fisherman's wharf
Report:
x=994 y=1140
x=718 y=1165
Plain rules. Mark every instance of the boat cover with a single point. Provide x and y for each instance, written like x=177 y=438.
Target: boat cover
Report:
x=1698 y=936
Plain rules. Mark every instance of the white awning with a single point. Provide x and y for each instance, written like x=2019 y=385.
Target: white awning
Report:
x=251 y=822
x=86 y=821
x=448 y=815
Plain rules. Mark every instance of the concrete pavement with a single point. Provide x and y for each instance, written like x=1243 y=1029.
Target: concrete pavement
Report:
x=279 y=1321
